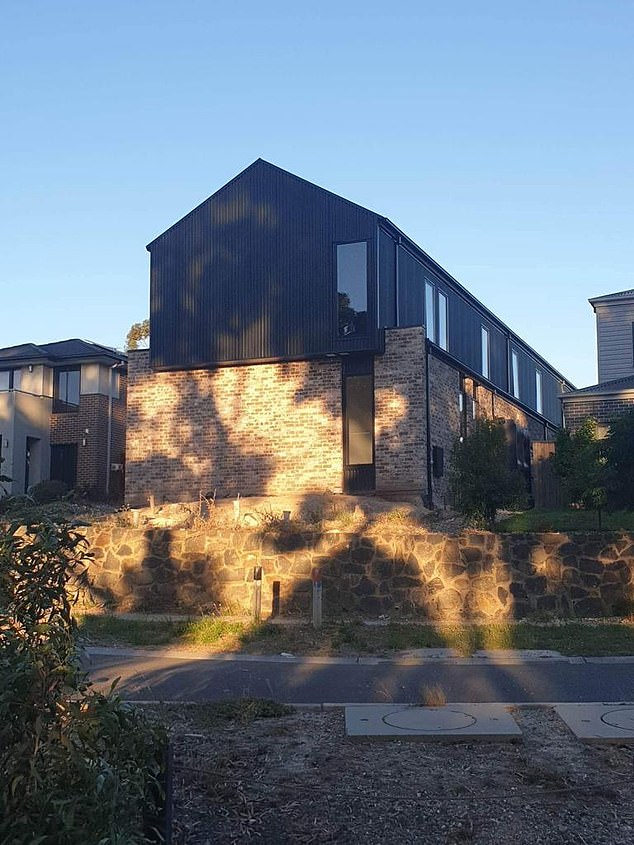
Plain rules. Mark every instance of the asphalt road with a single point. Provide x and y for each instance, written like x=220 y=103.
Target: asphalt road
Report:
x=155 y=676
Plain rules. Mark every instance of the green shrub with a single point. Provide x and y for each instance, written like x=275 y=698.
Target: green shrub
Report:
x=480 y=477
x=76 y=766
x=48 y=491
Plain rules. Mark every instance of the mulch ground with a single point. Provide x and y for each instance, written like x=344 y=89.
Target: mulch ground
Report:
x=298 y=779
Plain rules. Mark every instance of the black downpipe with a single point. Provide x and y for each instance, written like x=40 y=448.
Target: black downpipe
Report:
x=430 y=492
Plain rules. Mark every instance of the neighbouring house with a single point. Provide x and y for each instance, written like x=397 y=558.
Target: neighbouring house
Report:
x=62 y=416
x=614 y=392
x=301 y=342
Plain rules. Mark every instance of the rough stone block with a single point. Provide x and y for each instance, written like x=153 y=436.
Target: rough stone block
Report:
x=536 y=586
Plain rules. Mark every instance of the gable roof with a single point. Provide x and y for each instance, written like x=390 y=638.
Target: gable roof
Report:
x=612 y=297
x=258 y=164
x=61 y=352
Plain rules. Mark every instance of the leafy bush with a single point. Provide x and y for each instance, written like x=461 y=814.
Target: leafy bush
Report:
x=480 y=476
x=618 y=449
x=76 y=766
x=579 y=462
x=48 y=491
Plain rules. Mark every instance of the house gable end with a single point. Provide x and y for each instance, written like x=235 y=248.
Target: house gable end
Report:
x=250 y=274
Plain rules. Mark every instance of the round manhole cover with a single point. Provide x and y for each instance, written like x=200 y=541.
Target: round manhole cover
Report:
x=621 y=717
x=429 y=719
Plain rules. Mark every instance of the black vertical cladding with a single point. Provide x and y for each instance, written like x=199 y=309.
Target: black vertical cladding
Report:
x=411 y=289
x=387 y=280
x=250 y=274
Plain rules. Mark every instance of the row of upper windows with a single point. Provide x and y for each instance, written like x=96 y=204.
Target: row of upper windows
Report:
x=66 y=385
x=352 y=301
x=515 y=372
x=352 y=296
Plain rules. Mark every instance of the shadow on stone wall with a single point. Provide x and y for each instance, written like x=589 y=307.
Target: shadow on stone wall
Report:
x=476 y=576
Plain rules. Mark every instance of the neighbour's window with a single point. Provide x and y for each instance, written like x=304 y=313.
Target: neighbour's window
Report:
x=515 y=374
x=10 y=379
x=352 y=288
x=485 y=352
x=538 y=392
x=66 y=389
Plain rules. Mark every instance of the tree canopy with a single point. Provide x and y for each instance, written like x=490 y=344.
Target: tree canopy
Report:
x=137 y=334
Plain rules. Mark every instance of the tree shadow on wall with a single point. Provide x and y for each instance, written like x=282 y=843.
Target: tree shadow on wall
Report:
x=473 y=577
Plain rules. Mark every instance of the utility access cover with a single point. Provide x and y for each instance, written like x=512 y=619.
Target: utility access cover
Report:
x=449 y=722
x=599 y=722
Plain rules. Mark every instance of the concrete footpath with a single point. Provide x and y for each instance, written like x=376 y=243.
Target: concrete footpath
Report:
x=509 y=677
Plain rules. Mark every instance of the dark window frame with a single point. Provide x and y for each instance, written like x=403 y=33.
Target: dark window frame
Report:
x=63 y=405
x=439 y=316
x=515 y=374
x=366 y=330
x=485 y=346
x=11 y=372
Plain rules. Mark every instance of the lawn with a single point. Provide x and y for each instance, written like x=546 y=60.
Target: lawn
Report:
x=566 y=519
x=355 y=638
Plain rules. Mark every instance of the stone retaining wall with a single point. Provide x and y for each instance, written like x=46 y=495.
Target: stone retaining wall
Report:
x=476 y=575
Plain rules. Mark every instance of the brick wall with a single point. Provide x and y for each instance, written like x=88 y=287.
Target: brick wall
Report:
x=444 y=421
x=399 y=406
x=92 y=459
x=491 y=406
x=601 y=408
x=258 y=429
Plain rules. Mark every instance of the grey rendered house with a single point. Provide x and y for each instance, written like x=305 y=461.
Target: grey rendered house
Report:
x=62 y=415
x=301 y=342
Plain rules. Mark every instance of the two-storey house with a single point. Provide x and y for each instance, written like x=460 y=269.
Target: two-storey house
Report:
x=302 y=342
x=62 y=415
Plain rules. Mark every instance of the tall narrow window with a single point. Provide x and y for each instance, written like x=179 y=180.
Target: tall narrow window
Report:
x=538 y=392
x=66 y=389
x=352 y=288
x=430 y=314
x=485 y=352
x=359 y=419
x=515 y=373
x=442 y=320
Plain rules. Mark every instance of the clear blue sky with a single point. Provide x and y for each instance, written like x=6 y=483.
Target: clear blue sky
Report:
x=498 y=134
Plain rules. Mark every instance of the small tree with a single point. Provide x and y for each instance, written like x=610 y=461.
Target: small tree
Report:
x=138 y=333
x=480 y=475
x=580 y=462
x=619 y=454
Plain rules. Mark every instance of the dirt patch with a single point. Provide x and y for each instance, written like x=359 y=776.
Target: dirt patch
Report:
x=299 y=779
x=309 y=511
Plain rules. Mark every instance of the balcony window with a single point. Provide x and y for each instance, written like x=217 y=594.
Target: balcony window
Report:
x=66 y=389
x=352 y=288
